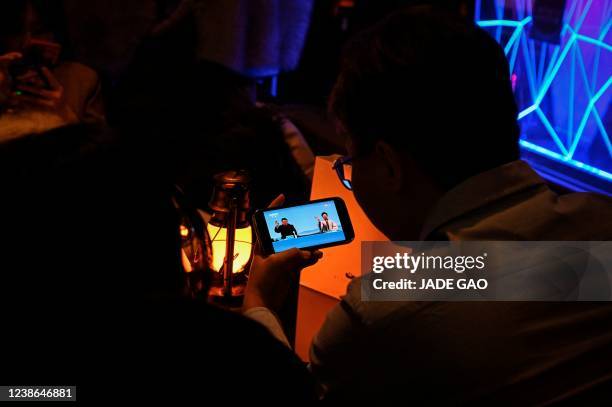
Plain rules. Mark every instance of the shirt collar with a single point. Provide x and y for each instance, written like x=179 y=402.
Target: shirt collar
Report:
x=481 y=190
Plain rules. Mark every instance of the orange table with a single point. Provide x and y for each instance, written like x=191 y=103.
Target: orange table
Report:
x=312 y=308
x=322 y=284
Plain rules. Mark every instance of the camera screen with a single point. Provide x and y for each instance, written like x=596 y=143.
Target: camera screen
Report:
x=304 y=226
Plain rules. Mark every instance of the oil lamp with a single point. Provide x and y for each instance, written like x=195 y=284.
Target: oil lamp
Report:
x=230 y=237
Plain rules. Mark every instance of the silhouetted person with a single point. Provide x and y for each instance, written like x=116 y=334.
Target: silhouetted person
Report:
x=202 y=118
x=91 y=253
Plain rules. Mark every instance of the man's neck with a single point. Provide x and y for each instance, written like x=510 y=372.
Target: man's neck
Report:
x=408 y=220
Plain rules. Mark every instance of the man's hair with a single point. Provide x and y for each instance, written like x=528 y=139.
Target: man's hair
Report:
x=324 y=213
x=284 y=219
x=434 y=85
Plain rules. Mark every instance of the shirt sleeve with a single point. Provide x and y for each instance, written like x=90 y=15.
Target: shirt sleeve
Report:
x=266 y=318
x=333 y=353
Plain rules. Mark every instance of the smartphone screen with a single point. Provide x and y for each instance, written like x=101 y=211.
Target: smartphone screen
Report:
x=316 y=224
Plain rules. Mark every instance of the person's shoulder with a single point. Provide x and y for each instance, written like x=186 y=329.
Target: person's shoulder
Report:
x=590 y=210
x=372 y=312
x=601 y=201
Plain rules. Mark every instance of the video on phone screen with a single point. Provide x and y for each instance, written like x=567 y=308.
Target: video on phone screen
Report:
x=304 y=226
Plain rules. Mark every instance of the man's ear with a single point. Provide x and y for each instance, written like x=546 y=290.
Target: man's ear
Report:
x=390 y=163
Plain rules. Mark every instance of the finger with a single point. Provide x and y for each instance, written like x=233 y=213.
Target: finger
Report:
x=29 y=76
x=297 y=259
x=278 y=201
x=32 y=100
x=55 y=84
x=287 y=260
x=10 y=57
x=43 y=93
x=315 y=257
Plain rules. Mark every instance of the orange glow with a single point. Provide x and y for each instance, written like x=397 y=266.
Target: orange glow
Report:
x=328 y=276
x=243 y=246
x=184 y=231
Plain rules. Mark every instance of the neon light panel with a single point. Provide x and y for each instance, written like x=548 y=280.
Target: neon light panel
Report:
x=563 y=90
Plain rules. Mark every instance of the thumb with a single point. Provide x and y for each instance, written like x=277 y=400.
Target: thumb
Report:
x=10 y=57
x=278 y=201
x=298 y=259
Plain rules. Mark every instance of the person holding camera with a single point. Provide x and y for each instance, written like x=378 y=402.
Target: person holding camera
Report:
x=38 y=90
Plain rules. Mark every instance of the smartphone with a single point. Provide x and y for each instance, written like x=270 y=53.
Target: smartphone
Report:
x=311 y=225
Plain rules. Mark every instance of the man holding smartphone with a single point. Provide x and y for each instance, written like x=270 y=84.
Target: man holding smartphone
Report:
x=444 y=165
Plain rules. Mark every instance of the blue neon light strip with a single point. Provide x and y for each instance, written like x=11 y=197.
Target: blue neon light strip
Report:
x=543 y=48
x=498 y=23
x=514 y=55
x=585 y=10
x=540 y=80
x=551 y=130
x=527 y=111
x=605 y=30
x=587 y=89
x=553 y=72
x=593 y=41
x=558 y=157
x=587 y=112
x=510 y=43
x=570 y=108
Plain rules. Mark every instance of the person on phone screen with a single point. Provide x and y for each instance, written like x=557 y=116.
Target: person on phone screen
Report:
x=326 y=224
x=285 y=229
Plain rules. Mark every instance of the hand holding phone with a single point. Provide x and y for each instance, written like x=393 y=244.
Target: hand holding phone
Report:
x=274 y=277
x=41 y=90
x=32 y=79
x=271 y=278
